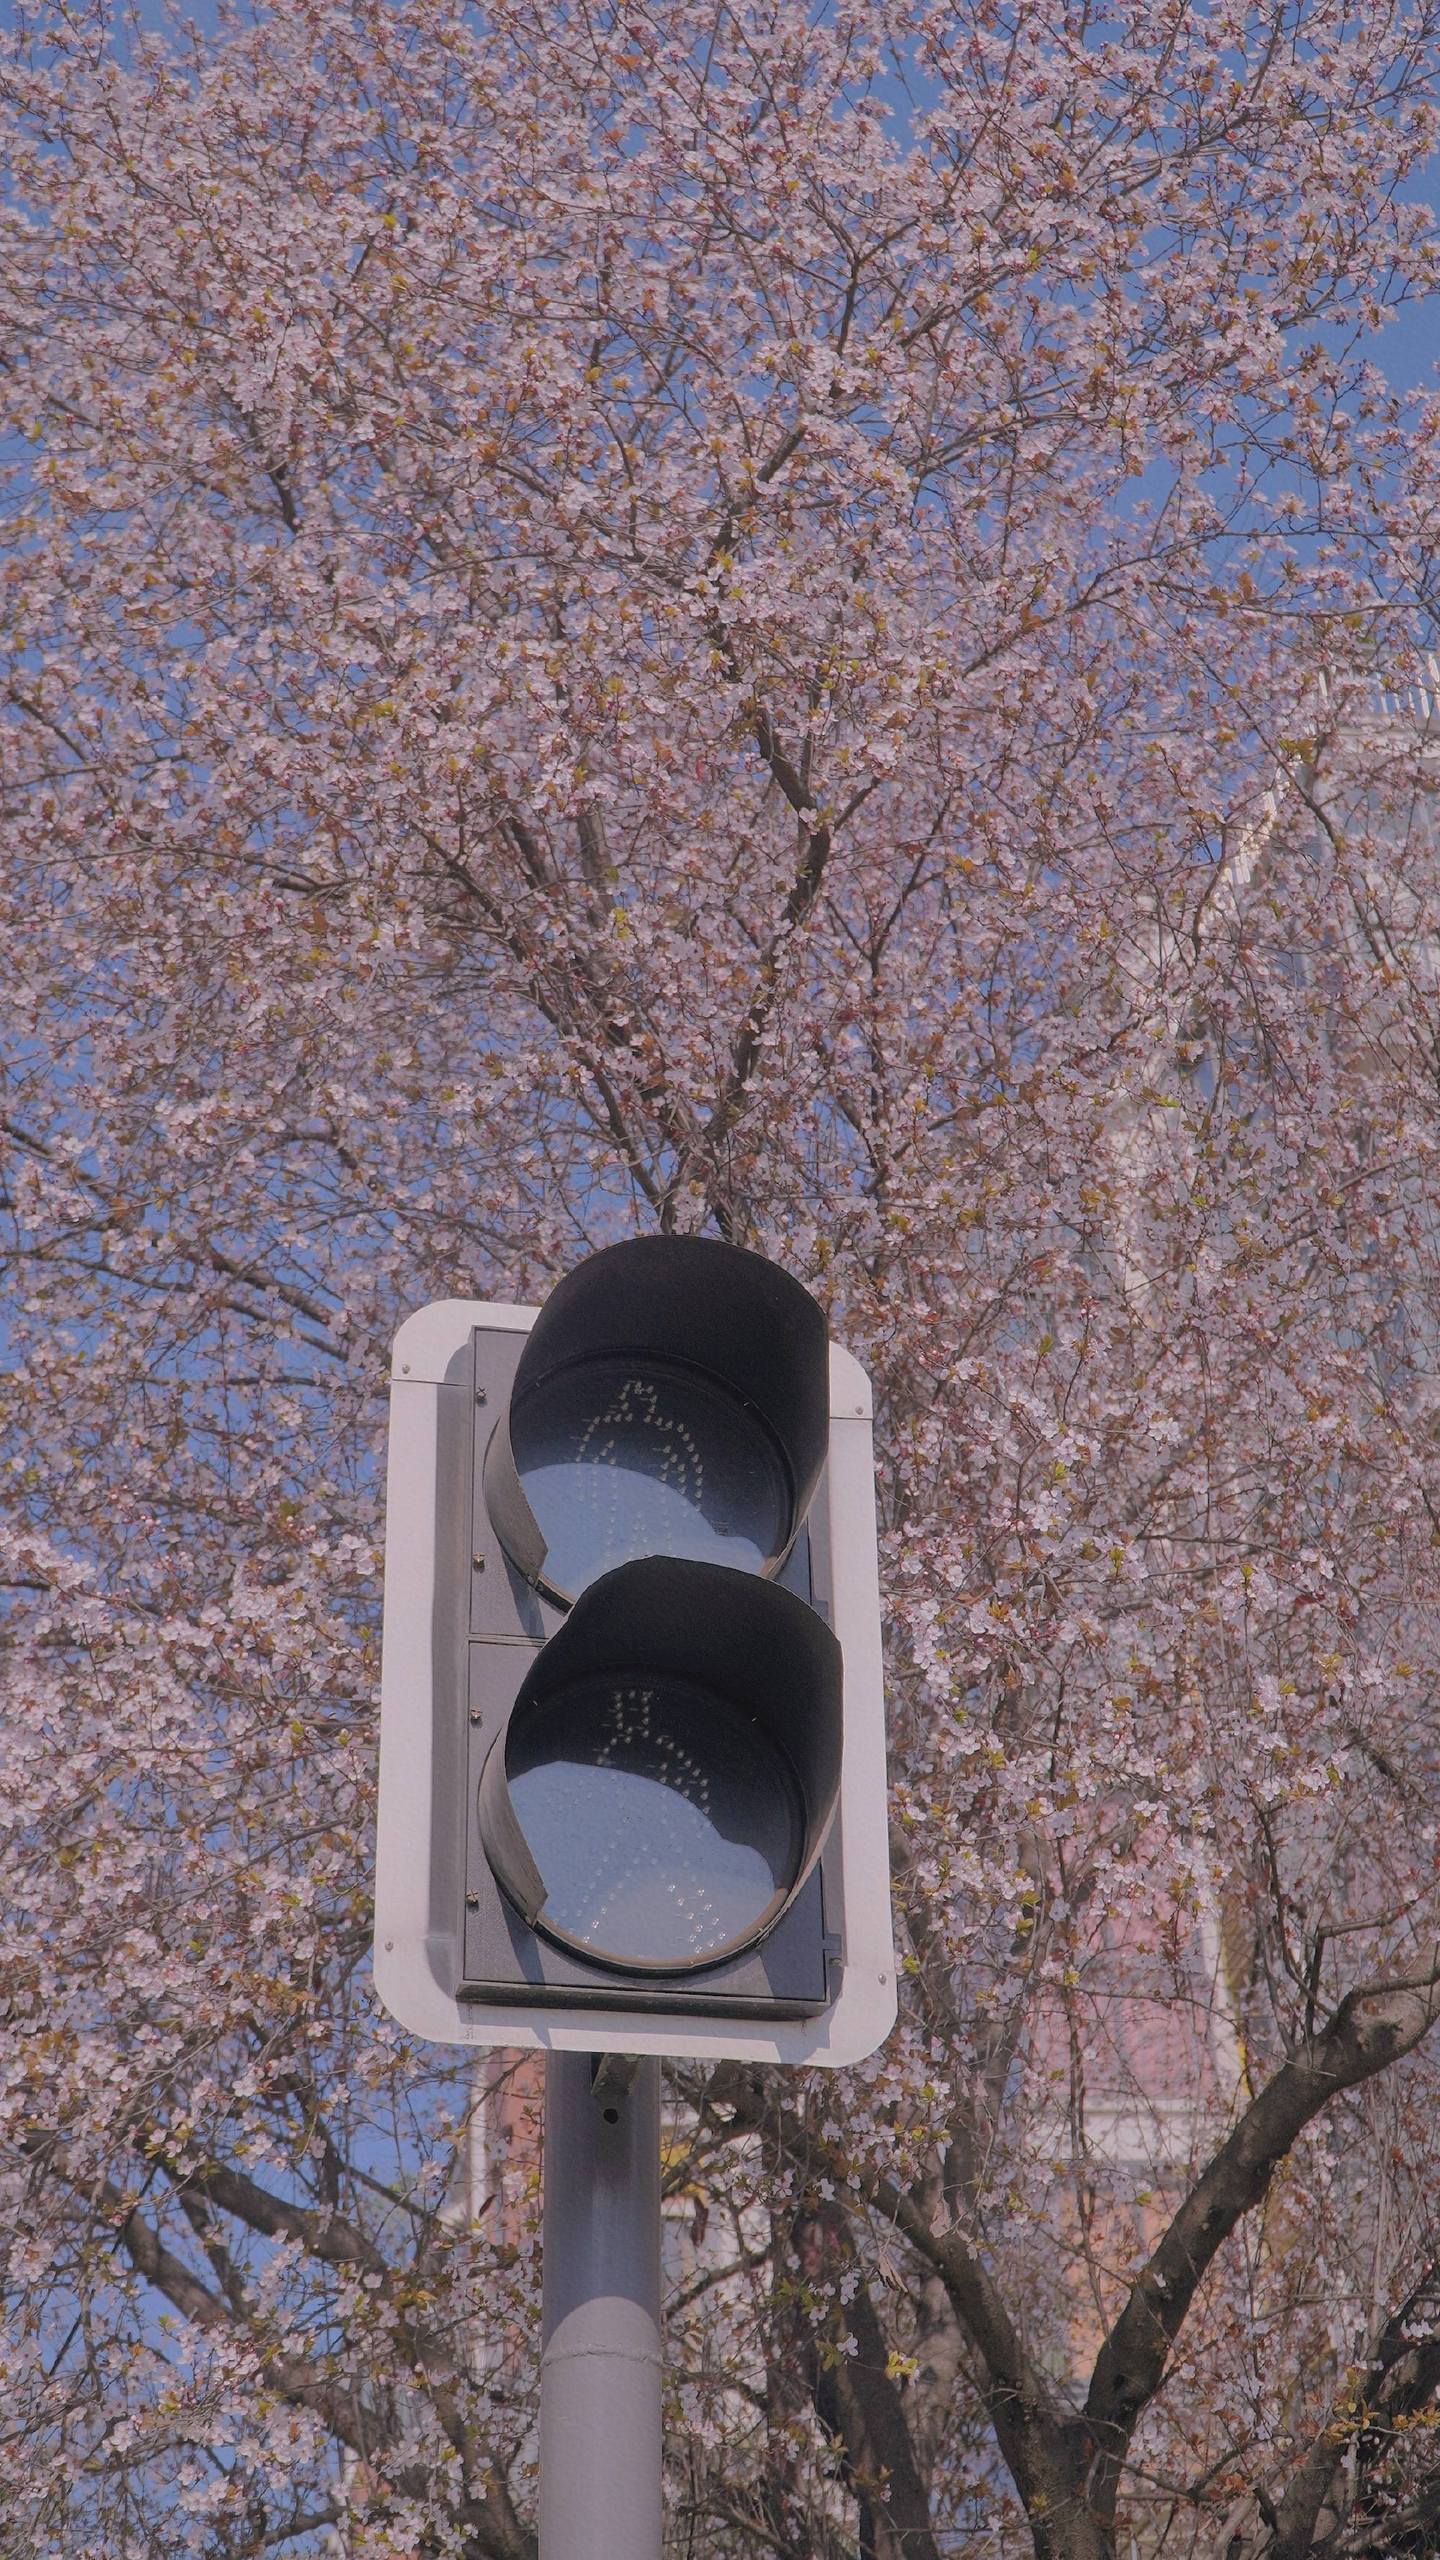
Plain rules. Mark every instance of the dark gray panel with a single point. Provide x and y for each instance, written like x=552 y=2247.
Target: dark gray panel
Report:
x=791 y=1973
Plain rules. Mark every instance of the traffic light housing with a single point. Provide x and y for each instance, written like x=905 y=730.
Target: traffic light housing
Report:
x=632 y=1754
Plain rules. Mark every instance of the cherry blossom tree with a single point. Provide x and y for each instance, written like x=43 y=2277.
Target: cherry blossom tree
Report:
x=799 y=623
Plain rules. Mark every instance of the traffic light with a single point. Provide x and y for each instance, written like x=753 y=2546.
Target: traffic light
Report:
x=632 y=1757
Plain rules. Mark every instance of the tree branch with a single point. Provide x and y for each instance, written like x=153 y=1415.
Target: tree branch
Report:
x=857 y=2398
x=1373 y=2027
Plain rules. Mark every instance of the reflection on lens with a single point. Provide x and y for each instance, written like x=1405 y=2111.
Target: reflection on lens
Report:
x=619 y=1461
x=664 y=1823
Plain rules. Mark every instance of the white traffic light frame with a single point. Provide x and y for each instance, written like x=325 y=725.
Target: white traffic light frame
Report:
x=427 y=1564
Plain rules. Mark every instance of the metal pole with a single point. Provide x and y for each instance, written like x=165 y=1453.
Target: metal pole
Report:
x=600 y=2358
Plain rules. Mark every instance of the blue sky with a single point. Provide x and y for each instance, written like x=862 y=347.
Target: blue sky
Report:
x=1409 y=350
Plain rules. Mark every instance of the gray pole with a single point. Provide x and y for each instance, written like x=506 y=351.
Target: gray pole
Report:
x=600 y=2359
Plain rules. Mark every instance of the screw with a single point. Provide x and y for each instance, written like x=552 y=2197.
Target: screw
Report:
x=475 y=1716
x=479 y=1563
x=472 y=1901
x=482 y=1395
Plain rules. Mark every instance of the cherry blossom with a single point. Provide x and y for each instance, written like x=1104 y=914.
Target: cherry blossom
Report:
x=808 y=626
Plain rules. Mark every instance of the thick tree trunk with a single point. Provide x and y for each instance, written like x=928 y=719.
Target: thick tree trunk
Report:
x=858 y=2400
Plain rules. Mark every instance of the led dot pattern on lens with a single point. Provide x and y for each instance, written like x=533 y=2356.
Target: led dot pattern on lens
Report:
x=619 y=1461
x=664 y=1824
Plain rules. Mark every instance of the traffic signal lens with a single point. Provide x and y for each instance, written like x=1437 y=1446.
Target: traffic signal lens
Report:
x=665 y=1824
x=621 y=1459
